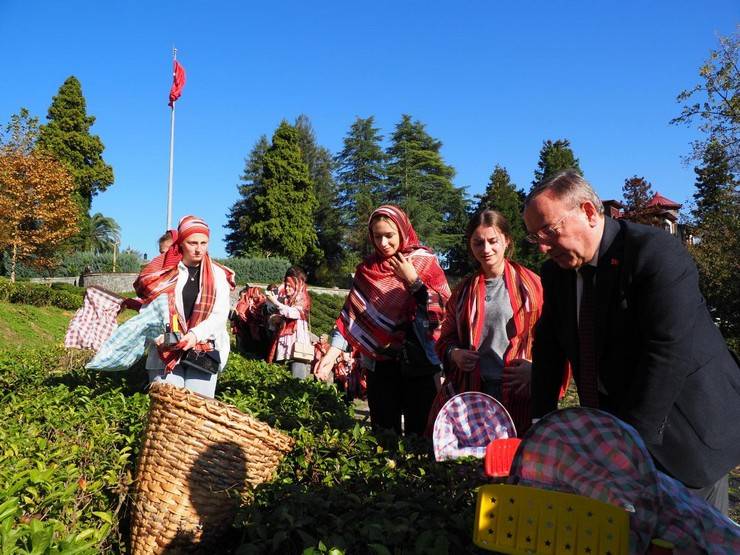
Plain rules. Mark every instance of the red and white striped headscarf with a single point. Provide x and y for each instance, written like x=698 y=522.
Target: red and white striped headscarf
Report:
x=379 y=303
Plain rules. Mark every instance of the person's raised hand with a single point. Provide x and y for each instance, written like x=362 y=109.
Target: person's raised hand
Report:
x=403 y=268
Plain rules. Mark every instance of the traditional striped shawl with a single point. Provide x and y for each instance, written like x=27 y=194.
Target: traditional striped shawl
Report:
x=379 y=304
x=463 y=327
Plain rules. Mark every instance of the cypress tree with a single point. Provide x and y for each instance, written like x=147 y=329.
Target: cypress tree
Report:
x=284 y=204
x=240 y=215
x=67 y=138
x=637 y=192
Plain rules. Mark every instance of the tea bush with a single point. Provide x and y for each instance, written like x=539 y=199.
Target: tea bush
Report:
x=70 y=438
x=325 y=309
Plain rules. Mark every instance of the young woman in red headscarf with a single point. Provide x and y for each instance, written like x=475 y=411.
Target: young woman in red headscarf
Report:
x=290 y=321
x=198 y=292
x=395 y=306
x=486 y=338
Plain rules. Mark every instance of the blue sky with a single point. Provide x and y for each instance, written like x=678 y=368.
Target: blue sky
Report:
x=490 y=79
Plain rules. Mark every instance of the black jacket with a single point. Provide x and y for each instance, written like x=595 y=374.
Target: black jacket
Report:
x=660 y=357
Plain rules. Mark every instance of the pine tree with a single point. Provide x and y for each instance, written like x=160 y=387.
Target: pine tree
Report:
x=715 y=185
x=241 y=214
x=554 y=157
x=326 y=218
x=421 y=183
x=285 y=203
x=717 y=227
x=360 y=169
x=637 y=192
x=67 y=138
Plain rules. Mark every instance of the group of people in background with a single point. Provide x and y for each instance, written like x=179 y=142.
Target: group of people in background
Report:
x=617 y=307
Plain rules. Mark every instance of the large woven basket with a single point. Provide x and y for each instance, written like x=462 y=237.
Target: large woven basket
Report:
x=198 y=456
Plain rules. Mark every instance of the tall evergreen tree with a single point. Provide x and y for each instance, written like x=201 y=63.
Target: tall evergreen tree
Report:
x=637 y=192
x=285 y=203
x=421 y=183
x=716 y=188
x=240 y=216
x=554 y=157
x=717 y=226
x=360 y=170
x=326 y=218
x=67 y=138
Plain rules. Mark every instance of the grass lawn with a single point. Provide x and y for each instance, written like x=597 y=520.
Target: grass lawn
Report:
x=22 y=324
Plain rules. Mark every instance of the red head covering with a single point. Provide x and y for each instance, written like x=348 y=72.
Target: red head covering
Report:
x=408 y=241
x=190 y=225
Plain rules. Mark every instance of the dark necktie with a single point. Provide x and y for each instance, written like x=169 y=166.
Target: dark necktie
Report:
x=588 y=390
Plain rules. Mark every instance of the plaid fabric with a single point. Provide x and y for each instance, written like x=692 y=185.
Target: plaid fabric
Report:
x=691 y=524
x=592 y=453
x=379 y=305
x=467 y=424
x=128 y=342
x=95 y=321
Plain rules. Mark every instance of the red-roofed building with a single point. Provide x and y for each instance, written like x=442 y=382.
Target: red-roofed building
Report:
x=660 y=212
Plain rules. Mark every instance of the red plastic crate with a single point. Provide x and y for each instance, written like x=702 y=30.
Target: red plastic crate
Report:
x=499 y=454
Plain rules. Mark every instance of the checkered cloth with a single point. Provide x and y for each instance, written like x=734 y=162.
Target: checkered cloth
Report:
x=467 y=423
x=592 y=453
x=127 y=344
x=95 y=321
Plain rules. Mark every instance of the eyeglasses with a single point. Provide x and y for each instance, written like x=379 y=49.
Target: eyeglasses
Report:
x=548 y=233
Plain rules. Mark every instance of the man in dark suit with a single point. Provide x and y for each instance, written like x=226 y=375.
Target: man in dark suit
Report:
x=622 y=304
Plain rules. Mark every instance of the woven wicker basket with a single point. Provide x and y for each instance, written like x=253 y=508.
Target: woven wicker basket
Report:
x=198 y=455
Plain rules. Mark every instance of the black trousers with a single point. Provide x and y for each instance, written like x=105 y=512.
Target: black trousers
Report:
x=390 y=395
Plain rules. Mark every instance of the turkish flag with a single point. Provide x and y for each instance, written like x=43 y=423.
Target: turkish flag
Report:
x=178 y=82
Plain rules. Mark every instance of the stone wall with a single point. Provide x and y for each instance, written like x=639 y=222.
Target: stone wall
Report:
x=118 y=283
x=50 y=280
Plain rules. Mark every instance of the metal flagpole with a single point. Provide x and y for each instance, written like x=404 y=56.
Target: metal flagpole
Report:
x=172 y=154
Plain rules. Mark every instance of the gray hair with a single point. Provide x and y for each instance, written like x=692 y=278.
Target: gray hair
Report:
x=567 y=185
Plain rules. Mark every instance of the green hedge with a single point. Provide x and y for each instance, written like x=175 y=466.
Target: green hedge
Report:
x=68 y=298
x=73 y=264
x=257 y=270
x=325 y=309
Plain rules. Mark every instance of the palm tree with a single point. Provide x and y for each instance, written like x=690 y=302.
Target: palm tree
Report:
x=104 y=233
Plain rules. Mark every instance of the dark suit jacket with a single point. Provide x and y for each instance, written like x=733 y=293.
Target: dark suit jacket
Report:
x=662 y=360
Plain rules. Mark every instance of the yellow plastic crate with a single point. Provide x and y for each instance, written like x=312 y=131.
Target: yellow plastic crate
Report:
x=524 y=520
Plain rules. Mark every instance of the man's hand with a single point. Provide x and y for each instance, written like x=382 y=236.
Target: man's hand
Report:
x=403 y=268
x=464 y=359
x=519 y=376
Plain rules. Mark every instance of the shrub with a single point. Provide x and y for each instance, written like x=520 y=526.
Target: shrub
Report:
x=73 y=264
x=40 y=295
x=257 y=270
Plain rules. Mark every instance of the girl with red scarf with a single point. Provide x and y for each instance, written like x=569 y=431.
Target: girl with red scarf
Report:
x=291 y=320
x=198 y=296
x=397 y=291
x=486 y=338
